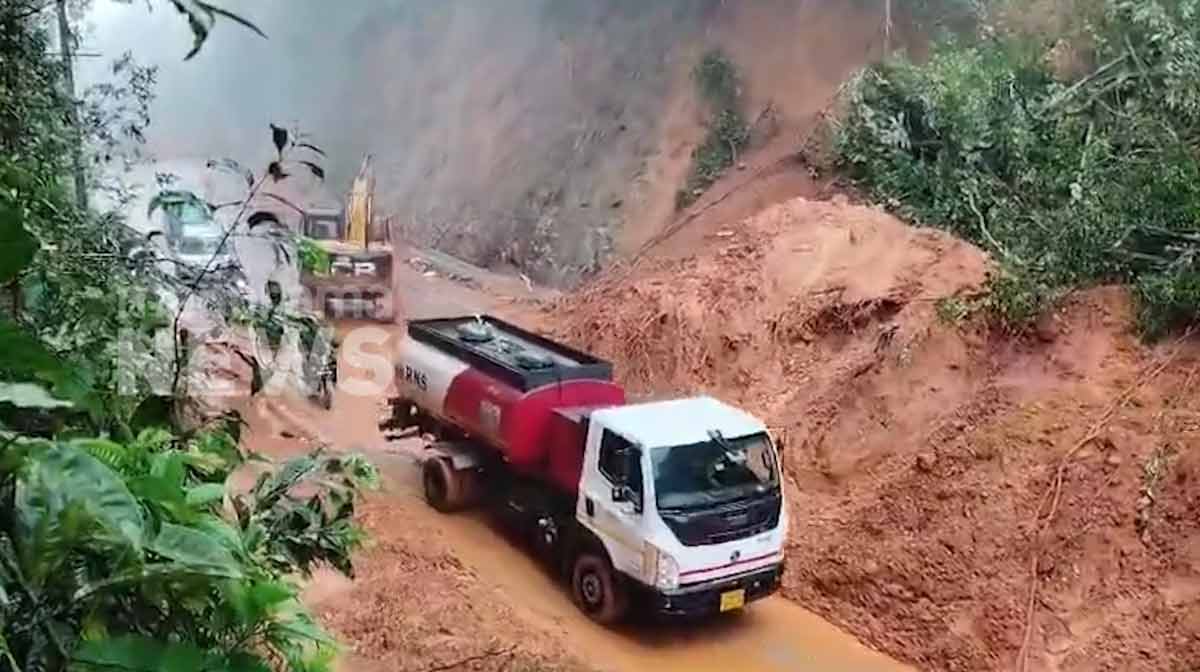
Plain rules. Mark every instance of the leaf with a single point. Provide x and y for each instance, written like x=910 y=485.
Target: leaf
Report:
x=165 y=572
x=313 y=147
x=193 y=548
x=261 y=217
x=232 y=17
x=113 y=455
x=317 y=171
x=232 y=166
x=22 y=354
x=17 y=246
x=245 y=662
x=64 y=476
x=279 y=136
x=142 y=654
x=200 y=21
x=203 y=495
x=258 y=601
x=283 y=200
x=29 y=395
x=223 y=532
x=275 y=170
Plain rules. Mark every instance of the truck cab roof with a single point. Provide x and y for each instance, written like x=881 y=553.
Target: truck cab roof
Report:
x=677 y=422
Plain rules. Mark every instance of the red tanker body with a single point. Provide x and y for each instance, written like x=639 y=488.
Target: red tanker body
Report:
x=523 y=395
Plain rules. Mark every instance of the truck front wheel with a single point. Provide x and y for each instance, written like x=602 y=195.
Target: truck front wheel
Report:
x=597 y=589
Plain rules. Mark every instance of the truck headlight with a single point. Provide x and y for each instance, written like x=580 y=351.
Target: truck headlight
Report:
x=666 y=572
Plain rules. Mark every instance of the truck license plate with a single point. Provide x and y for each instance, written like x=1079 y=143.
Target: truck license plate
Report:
x=734 y=599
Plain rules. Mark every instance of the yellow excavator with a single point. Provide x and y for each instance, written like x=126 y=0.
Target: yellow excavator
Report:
x=358 y=281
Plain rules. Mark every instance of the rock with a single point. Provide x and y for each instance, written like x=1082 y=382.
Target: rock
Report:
x=926 y=462
x=1113 y=460
x=1046 y=328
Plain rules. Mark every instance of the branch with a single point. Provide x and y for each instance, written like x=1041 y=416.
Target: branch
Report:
x=200 y=278
x=473 y=659
x=1066 y=95
x=988 y=234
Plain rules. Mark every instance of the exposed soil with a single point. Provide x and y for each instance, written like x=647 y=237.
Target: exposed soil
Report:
x=922 y=455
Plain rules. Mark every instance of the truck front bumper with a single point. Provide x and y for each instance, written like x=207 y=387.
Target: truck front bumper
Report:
x=704 y=599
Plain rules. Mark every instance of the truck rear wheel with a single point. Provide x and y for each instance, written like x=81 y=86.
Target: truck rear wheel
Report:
x=443 y=488
x=597 y=589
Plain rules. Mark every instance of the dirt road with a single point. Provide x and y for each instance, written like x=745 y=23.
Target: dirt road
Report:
x=774 y=635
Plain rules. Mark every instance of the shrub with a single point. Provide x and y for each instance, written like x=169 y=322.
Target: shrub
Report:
x=313 y=258
x=953 y=310
x=1167 y=302
x=728 y=134
x=1066 y=185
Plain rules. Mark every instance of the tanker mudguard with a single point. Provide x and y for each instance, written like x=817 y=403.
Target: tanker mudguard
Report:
x=461 y=456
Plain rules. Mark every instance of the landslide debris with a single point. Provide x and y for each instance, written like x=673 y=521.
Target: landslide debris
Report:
x=919 y=445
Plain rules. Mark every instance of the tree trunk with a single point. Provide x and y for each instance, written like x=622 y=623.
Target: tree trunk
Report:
x=66 y=45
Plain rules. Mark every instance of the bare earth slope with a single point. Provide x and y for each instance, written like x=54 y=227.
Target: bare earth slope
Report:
x=923 y=455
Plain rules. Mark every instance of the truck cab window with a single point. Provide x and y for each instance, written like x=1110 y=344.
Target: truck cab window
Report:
x=620 y=461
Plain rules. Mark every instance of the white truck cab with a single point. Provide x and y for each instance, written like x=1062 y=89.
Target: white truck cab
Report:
x=686 y=497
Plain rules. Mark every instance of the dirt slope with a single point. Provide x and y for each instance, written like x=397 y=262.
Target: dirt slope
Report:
x=792 y=58
x=922 y=455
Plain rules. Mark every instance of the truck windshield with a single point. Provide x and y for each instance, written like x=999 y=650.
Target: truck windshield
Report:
x=713 y=472
x=196 y=245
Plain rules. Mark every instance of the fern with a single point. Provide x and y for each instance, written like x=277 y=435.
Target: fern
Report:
x=111 y=454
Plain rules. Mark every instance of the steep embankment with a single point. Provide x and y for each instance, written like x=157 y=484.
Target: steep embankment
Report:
x=550 y=135
x=930 y=463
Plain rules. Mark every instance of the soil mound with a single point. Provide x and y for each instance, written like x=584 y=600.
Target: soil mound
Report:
x=933 y=465
x=780 y=312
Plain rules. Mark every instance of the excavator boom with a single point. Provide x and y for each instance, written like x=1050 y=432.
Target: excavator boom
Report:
x=360 y=205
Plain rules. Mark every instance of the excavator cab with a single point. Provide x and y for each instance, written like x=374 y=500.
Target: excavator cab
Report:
x=324 y=225
x=358 y=283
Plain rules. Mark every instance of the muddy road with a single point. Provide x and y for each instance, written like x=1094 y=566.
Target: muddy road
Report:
x=532 y=609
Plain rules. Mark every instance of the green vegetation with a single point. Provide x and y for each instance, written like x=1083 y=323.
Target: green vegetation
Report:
x=1067 y=183
x=313 y=258
x=953 y=310
x=121 y=545
x=719 y=86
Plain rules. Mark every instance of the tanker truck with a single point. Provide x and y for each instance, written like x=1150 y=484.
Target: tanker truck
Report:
x=672 y=507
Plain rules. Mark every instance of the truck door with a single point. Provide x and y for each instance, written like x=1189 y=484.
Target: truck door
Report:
x=612 y=497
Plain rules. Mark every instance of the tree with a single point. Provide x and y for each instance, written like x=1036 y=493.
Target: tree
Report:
x=120 y=546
